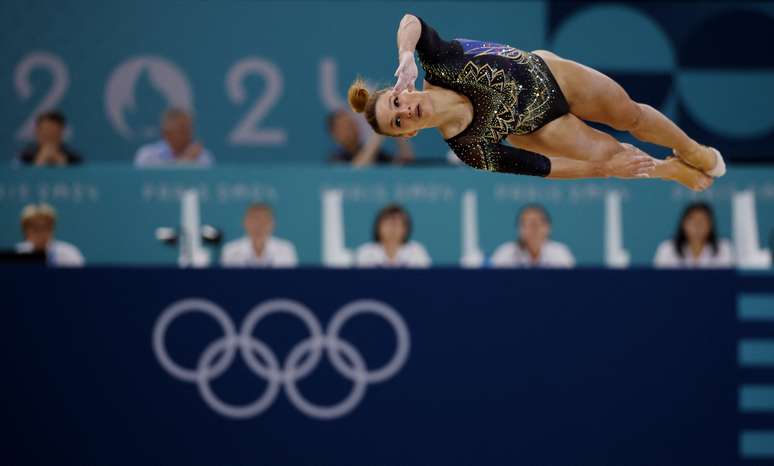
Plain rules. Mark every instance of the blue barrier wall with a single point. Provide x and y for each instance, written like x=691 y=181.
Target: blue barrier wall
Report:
x=111 y=213
x=551 y=368
x=262 y=75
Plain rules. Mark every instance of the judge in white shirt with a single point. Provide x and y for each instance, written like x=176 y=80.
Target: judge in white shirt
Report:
x=391 y=245
x=259 y=248
x=533 y=248
x=695 y=244
x=38 y=222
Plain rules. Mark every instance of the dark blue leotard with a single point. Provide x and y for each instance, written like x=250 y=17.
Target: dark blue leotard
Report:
x=512 y=92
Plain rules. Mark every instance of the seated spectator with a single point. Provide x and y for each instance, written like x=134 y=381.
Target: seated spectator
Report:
x=259 y=248
x=49 y=148
x=344 y=130
x=391 y=246
x=177 y=147
x=533 y=248
x=695 y=244
x=38 y=222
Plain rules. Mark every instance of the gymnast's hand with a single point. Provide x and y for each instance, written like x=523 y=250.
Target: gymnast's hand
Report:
x=631 y=162
x=406 y=73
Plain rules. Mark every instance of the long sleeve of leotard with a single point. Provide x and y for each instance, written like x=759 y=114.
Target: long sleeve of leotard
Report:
x=501 y=158
x=432 y=48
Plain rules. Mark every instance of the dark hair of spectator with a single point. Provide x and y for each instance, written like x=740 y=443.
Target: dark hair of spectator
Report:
x=680 y=238
x=528 y=207
x=389 y=211
x=52 y=115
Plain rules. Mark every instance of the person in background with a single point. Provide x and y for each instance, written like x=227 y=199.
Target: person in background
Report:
x=49 y=148
x=695 y=244
x=178 y=145
x=258 y=248
x=345 y=132
x=391 y=246
x=533 y=248
x=38 y=222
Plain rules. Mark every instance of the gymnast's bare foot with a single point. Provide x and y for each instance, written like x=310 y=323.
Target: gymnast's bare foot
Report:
x=675 y=169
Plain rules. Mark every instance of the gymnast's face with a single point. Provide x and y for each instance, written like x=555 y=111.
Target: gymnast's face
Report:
x=403 y=114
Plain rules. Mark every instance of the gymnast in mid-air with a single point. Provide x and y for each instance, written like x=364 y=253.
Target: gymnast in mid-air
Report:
x=479 y=93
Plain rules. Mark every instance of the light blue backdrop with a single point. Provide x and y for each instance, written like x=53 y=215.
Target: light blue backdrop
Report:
x=262 y=76
x=280 y=48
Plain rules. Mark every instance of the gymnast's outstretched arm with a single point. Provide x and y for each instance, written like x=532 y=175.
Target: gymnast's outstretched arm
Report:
x=628 y=163
x=619 y=166
x=416 y=35
x=409 y=31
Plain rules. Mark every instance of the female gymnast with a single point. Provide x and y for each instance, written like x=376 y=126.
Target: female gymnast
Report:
x=479 y=93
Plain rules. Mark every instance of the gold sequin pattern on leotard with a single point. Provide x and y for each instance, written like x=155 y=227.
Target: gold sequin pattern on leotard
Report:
x=502 y=104
x=495 y=94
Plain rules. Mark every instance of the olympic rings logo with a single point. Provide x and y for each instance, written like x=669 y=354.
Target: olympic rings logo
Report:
x=310 y=350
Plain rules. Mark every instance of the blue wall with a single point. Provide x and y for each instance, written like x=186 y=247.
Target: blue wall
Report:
x=554 y=368
x=114 y=66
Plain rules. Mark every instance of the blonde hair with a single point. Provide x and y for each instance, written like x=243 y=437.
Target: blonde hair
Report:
x=34 y=211
x=361 y=100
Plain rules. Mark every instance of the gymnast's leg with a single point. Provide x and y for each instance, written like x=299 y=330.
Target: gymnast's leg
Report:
x=569 y=137
x=595 y=97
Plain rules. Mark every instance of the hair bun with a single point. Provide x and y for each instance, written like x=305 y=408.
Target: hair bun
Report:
x=358 y=95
